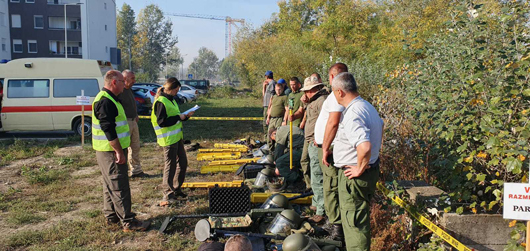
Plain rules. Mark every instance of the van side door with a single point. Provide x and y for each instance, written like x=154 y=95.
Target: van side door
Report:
x=26 y=105
x=65 y=91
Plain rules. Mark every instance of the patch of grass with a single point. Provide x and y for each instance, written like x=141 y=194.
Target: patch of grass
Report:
x=23 y=217
x=43 y=175
x=92 y=213
x=63 y=161
x=24 y=238
x=11 y=150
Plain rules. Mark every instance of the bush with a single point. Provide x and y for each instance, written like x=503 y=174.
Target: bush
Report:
x=465 y=105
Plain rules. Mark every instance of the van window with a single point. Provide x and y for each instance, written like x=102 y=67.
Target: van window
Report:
x=28 y=88
x=72 y=87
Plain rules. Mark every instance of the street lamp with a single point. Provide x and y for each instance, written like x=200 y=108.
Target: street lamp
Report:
x=65 y=30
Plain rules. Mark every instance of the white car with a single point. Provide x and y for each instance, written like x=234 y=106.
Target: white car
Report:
x=149 y=92
x=189 y=91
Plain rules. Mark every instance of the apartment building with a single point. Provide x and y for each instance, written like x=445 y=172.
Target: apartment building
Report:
x=37 y=29
x=5 y=41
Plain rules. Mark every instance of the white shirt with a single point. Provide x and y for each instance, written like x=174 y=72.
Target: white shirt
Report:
x=359 y=123
x=329 y=105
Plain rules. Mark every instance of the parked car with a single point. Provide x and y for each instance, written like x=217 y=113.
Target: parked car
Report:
x=149 y=92
x=180 y=99
x=143 y=103
x=202 y=86
x=190 y=90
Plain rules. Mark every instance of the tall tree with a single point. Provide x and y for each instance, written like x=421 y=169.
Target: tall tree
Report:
x=174 y=62
x=126 y=30
x=228 y=70
x=153 y=42
x=205 y=65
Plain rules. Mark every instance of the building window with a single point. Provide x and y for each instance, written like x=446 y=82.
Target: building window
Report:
x=105 y=27
x=17 y=45
x=32 y=46
x=4 y=44
x=30 y=1
x=15 y=1
x=38 y=22
x=53 y=1
x=2 y=19
x=15 y=21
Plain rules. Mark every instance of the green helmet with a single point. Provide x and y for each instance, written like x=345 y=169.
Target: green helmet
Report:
x=291 y=215
x=285 y=221
x=297 y=242
x=276 y=201
x=270 y=159
x=269 y=172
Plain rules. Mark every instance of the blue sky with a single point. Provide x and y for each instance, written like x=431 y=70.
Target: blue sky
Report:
x=194 y=33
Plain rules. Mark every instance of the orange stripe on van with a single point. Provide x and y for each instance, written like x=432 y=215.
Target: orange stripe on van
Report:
x=55 y=108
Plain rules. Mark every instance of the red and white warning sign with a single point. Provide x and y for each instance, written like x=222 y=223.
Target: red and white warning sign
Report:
x=516 y=201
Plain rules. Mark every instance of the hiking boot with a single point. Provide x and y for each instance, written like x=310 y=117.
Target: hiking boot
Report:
x=179 y=195
x=317 y=218
x=337 y=233
x=135 y=225
x=112 y=221
x=140 y=175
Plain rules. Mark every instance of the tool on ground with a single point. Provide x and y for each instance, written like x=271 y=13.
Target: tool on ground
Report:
x=296 y=198
x=216 y=150
x=231 y=146
x=203 y=231
x=233 y=162
x=249 y=169
x=217 y=219
x=211 y=156
x=219 y=169
x=291 y=104
x=235 y=183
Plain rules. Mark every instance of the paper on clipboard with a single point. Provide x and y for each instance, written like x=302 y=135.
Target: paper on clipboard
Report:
x=195 y=108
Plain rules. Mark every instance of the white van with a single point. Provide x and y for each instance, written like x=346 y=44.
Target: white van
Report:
x=39 y=94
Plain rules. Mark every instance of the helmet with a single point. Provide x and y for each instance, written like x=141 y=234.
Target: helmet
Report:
x=299 y=242
x=276 y=201
x=285 y=221
x=263 y=176
x=267 y=159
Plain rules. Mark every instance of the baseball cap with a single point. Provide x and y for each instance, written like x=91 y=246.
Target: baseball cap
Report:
x=268 y=73
x=309 y=83
x=281 y=81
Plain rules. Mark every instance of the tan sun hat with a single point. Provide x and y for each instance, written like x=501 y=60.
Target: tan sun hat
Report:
x=310 y=83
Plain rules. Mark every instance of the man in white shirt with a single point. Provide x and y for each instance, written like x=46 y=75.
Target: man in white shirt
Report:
x=325 y=130
x=356 y=153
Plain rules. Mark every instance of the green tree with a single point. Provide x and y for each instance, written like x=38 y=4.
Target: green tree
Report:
x=205 y=65
x=228 y=70
x=126 y=30
x=153 y=41
x=174 y=62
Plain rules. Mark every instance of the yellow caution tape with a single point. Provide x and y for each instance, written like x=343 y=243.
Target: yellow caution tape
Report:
x=214 y=118
x=235 y=183
x=218 y=156
x=229 y=150
x=424 y=221
x=219 y=169
x=262 y=197
x=232 y=162
x=230 y=146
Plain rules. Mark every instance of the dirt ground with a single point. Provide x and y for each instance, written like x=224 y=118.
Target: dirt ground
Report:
x=54 y=201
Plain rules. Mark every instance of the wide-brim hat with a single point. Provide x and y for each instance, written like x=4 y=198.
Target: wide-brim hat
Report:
x=310 y=83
